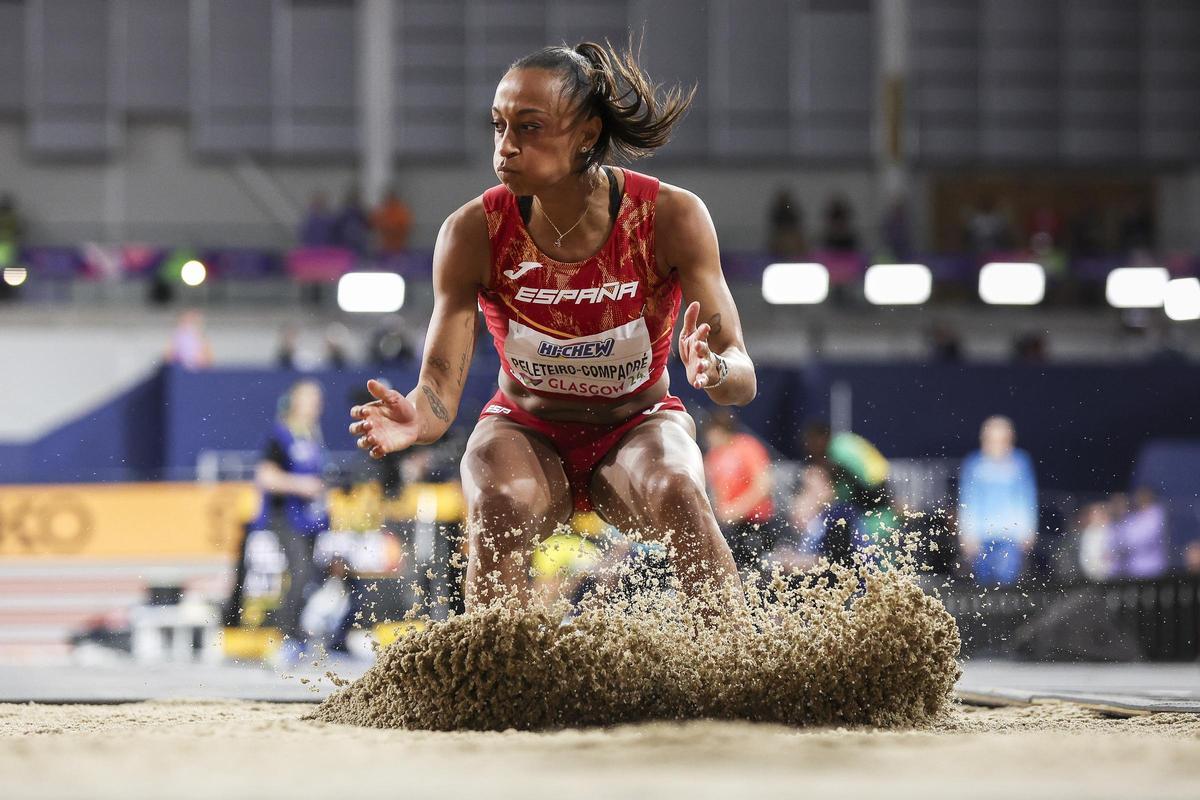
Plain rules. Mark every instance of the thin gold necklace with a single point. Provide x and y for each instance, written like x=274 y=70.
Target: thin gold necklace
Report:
x=586 y=208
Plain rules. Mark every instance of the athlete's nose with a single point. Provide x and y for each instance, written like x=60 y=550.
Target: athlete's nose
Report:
x=506 y=147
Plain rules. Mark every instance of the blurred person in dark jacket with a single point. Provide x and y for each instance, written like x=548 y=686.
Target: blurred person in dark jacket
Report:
x=290 y=477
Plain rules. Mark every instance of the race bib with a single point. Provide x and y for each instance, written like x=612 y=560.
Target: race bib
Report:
x=609 y=364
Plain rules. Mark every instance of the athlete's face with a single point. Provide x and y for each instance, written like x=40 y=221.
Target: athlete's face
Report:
x=305 y=406
x=539 y=137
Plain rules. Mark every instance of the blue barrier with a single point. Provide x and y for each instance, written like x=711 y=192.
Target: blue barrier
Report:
x=1084 y=425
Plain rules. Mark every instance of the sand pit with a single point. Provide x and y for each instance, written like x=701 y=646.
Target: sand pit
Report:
x=241 y=749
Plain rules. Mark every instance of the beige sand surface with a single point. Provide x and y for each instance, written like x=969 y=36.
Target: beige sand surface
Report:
x=246 y=749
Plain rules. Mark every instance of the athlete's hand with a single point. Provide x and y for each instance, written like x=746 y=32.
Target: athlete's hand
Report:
x=693 y=349
x=387 y=425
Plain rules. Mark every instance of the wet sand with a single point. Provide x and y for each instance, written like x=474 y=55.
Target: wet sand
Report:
x=247 y=749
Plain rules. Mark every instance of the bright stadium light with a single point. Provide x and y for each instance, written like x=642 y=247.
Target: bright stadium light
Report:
x=15 y=276
x=795 y=284
x=1136 y=287
x=898 y=284
x=193 y=273
x=1012 y=284
x=371 y=292
x=1182 y=299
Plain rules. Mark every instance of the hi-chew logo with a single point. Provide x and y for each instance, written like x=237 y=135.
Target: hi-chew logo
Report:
x=593 y=294
x=600 y=349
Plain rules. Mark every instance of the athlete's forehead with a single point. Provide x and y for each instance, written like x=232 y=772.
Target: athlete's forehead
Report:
x=529 y=91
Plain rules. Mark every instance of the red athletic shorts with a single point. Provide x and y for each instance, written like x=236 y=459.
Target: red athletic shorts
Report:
x=580 y=444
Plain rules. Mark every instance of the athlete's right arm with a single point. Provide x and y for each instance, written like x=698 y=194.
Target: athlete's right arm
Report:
x=461 y=259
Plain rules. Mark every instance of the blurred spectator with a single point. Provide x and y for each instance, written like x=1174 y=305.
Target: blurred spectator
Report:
x=12 y=231
x=1030 y=348
x=997 y=505
x=1191 y=557
x=859 y=475
x=189 y=347
x=1139 y=538
x=896 y=231
x=839 y=231
x=393 y=343
x=738 y=468
x=1095 y=555
x=785 y=236
x=336 y=341
x=352 y=228
x=1045 y=224
x=825 y=526
x=287 y=354
x=289 y=476
x=988 y=229
x=392 y=222
x=319 y=228
x=1086 y=232
x=1135 y=227
x=329 y=612
x=944 y=344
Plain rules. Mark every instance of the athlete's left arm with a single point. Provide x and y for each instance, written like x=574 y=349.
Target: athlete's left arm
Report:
x=687 y=243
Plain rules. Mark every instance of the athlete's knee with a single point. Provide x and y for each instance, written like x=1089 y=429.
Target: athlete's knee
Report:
x=509 y=506
x=672 y=489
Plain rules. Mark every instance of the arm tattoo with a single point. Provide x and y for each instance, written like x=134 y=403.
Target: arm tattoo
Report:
x=714 y=323
x=462 y=366
x=435 y=403
x=442 y=364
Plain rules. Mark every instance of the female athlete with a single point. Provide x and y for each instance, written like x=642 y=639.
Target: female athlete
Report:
x=579 y=269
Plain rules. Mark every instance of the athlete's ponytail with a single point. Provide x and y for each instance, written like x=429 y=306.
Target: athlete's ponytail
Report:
x=603 y=82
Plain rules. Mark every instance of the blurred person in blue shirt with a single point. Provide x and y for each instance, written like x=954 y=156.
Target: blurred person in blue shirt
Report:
x=997 y=505
x=319 y=227
x=289 y=475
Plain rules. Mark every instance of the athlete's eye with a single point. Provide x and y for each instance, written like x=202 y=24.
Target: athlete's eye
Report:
x=497 y=125
x=530 y=127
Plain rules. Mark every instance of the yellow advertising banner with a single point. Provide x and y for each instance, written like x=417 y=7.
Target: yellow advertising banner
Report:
x=129 y=520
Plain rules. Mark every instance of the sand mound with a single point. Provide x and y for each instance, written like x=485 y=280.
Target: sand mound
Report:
x=862 y=646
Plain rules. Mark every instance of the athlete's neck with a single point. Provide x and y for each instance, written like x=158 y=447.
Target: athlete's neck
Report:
x=566 y=200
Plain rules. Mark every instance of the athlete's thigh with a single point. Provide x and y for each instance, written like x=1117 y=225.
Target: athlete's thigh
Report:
x=507 y=459
x=622 y=483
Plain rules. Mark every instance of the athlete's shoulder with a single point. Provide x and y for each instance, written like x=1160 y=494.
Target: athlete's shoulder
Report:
x=462 y=244
x=680 y=208
x=467 y=223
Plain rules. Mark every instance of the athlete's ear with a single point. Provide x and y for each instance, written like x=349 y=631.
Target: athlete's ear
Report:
x=589 y=131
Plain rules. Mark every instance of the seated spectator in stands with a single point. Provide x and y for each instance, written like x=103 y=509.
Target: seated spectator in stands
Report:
x=352 y=228
x=1030 y=348
x=859 y=473
x=189 y=347
x=393 y=342
x=1139 y=538
x=945 y=345
x=287 y=354
x=319 y=226
x=822 y=526
x=337 y=338
x=1135 y=227
x=1095 y=552
x=997 y=506
x=738 y=469
x=987 y=229
x=839 y=231
x=895 y=230
x=392 y=222
x=1191 y=557
x=785 y=226
x=12 y=231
